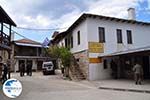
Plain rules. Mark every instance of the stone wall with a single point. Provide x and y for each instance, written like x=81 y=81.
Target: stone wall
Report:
x=82 y=61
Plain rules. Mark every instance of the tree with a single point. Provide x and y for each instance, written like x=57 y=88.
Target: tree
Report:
x=64 y=54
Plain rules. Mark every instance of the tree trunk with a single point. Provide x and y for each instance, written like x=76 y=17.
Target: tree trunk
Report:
x=66 y=74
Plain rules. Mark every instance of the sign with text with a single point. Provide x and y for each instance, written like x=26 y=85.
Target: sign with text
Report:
x=96 y=47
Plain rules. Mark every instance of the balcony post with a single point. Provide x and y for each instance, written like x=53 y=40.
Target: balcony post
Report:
x=10 y=33
x=9 y=53
x=2 y=27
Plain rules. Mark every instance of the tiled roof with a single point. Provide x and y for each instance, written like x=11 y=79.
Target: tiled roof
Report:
x=85 y=15
x=27 y=41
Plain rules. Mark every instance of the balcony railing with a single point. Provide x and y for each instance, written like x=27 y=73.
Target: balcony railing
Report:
x=4 y=39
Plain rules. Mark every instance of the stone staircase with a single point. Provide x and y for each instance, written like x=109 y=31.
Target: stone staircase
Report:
x=75 y=71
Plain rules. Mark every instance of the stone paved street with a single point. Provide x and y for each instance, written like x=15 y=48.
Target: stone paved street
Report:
x=53 y=87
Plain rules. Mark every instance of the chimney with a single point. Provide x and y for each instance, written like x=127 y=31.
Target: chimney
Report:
x=55 y=34
x=131 y=14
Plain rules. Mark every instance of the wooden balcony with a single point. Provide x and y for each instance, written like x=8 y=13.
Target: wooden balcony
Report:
x=4 y=41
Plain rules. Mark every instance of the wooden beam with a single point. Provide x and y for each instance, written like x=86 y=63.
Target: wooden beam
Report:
x=10 y=33
x=2 y=27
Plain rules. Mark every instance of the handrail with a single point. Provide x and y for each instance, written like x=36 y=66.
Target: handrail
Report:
x=4 y=39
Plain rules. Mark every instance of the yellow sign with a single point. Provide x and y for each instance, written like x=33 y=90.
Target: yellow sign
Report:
x=96 y=47
x=95 y=60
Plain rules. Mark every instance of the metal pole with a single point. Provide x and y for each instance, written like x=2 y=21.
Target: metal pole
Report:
x=9 y=53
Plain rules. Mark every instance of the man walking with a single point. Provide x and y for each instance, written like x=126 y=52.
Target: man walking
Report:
x=138 y=72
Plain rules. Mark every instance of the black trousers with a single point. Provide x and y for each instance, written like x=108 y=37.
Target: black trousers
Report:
x=4 y=77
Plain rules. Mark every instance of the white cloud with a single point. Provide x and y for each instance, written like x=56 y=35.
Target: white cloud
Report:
x=19 y=11
x=40 y=20
x=115 y=8
x=148 y=1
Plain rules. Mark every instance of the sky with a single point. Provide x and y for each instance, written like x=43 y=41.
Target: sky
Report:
x=58 y=15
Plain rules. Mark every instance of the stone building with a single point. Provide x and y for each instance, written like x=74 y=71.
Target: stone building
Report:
x=6 y=24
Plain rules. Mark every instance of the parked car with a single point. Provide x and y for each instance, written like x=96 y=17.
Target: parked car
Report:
x=48 y=68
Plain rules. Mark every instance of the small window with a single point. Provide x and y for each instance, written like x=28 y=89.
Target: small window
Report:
x=101 y=34
x=71 y=41
x=66 y=42
x=129 y=36
x=78 y=37
x=105 y=64
x=119 y=36
x=68 y=45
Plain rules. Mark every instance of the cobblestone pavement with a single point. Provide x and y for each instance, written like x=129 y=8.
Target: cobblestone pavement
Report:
x=53 y=87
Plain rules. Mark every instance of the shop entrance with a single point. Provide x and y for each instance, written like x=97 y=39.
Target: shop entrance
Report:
x=146 y=67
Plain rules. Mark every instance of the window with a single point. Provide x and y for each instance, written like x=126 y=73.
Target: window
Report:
x=66 y=41
x=71 y=41
x=129 y=36
x=68 y=45
x=78 y=37
x=62 y=44
x=119 y=36
x=101 y=34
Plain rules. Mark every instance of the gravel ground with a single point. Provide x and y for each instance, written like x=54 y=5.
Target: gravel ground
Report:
x=53 y=87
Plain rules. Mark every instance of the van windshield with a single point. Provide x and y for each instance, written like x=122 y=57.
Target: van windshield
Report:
x=47 y=65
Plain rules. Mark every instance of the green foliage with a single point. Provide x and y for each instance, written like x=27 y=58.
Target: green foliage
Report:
x=54 y=51
x=65 y=56
x=61 y=52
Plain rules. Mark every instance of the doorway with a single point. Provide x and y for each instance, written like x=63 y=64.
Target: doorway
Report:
x=20 y=62
x=146 y=67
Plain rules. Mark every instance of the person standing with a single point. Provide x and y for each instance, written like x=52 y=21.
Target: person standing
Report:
x=138 y=73
x=28 y=68
x=5 y=72
x=22 y=69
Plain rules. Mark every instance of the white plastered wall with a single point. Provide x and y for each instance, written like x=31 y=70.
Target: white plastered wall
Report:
x=140 y=38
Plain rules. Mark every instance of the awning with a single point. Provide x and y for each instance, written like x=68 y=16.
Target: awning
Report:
x=38 y=58
x=30 y=45
x=129 y=51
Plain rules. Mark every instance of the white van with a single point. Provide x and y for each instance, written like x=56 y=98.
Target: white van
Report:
x=48 y=68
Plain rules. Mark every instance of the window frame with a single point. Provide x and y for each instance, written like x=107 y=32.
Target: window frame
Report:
x=129 y=37
x=78 y=38
x=119 y=36
x=66 y=42
x=101 y=32
x=71 y=40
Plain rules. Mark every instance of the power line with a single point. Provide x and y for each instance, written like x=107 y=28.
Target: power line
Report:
x=17 y=33
x=20 y=35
